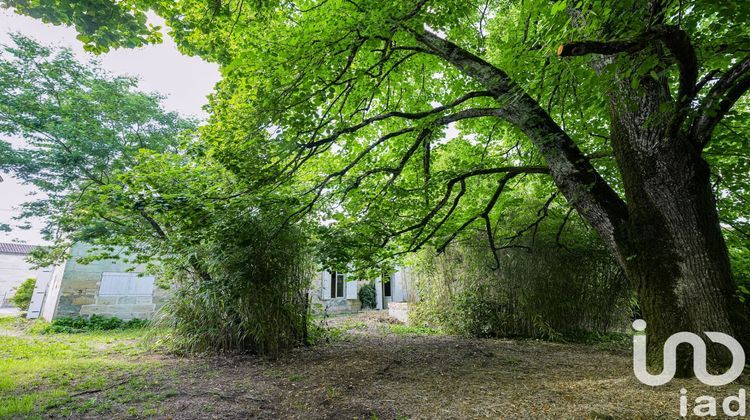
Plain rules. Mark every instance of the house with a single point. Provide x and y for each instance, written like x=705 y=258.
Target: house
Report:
x=337 y=292
x=14 y=270
x=103 y=287
x=119 y=289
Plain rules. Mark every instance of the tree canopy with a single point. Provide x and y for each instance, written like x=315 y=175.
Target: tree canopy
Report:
x=384 y=111
x=77 y=130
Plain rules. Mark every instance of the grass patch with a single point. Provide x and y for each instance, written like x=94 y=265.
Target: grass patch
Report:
x=318 y=333
x=13 y=322
x=350 y=325
x=57 y=374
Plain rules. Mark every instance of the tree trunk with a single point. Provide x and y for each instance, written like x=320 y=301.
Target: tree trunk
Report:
x=667 y=236
x=674 y=253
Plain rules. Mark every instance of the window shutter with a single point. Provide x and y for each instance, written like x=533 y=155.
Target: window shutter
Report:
x=126 y=284
x=325 y=279
x=351 y=289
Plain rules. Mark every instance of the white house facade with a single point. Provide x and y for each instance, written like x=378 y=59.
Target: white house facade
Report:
x=116 y=288
x=337 y=292
x=14 y=270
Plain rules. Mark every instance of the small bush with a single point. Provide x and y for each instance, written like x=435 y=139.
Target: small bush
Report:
x=366 y=295
x=319 y=333
x=22 y=298
x=79 y=324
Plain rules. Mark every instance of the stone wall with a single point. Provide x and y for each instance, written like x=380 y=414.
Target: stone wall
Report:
x=126 y=307
x=340 y=305
x=79 y=291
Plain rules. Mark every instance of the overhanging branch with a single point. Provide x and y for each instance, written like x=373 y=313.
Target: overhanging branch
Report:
x=418 y=241
x=395 y=114
x=719 y=100
x=572 y=172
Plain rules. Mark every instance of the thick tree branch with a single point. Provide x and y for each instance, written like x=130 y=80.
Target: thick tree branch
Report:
x=579 y=48
x=424 y=134
x=675 y=39
x=318 y=189
x=541 y=215
x=153 y=223
x=459 y=179
x=719 y=101
x=444 y=120
x=486 y=216
x=578 y=180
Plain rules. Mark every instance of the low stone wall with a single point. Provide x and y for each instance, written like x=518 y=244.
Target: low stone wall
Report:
x=340 y=305
x=399 y=310
x=126 y=307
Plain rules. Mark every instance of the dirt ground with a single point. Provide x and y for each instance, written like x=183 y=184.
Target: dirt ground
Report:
x=375 y=371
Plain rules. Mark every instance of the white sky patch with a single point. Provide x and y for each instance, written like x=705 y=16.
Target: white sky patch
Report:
x=441 y=34
x=185 y=81
x=450 y=132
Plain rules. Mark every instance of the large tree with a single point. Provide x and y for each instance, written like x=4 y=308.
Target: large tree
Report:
x=354 y=97
x=116 y=171
x=70 y=129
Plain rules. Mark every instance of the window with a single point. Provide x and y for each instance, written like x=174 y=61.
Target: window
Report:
x=126 y=284
x=337 y=284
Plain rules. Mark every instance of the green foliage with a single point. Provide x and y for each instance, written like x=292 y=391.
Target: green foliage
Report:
x=739 y=253
x=129 y=179
x=341 y=111
x=335 y=78
x=102 y=24
x=72 y=325
x=24 y=292
x=319 y=333
x=251 y=298
x=542 y=293
x=82 y=128
x=367 y=296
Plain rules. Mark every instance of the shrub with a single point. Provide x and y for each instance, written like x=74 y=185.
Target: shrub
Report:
x=22 y=298
x=79 y=324
x=248 y=294
x=547 y=292
x=367 y=296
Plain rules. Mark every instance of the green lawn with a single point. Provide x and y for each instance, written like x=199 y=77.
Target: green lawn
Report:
x=51 y=372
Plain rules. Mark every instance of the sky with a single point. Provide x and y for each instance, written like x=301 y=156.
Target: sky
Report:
x=185 y=81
